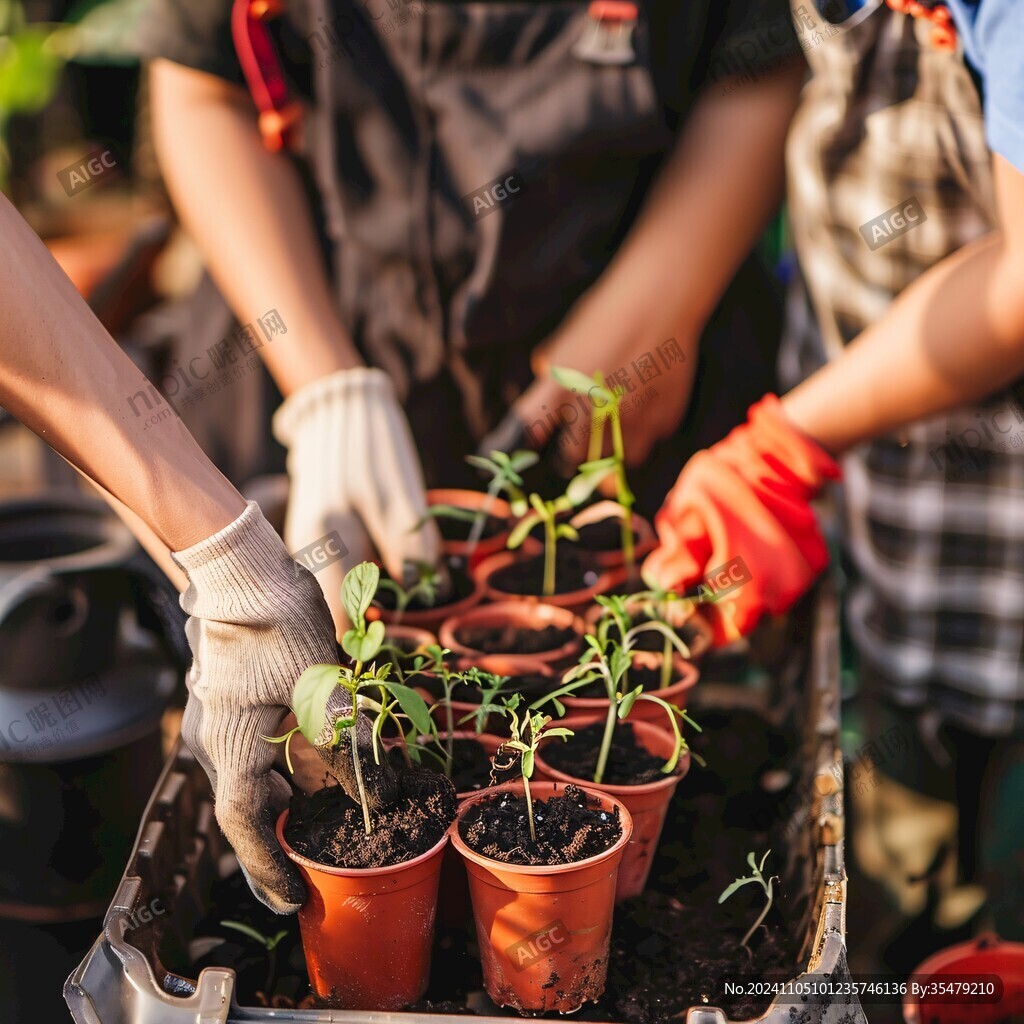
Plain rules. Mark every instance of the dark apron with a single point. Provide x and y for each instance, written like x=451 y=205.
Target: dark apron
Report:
x=408 y=120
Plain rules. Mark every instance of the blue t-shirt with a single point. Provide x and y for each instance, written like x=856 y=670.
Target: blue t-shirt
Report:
x=993 y=38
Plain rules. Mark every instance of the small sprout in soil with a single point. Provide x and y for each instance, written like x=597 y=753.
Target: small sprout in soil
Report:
x=546 y=512
x=490 y=687
x=608 y=660
x=426 y=588
x=526 y=736
x=315 y=688
x=268 y=942
x=766 y=884
x=596 y=469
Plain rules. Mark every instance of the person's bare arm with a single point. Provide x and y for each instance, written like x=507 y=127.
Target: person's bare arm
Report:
x=246 y=209
x=65 y=378
x=705 y=212
x=954 y=336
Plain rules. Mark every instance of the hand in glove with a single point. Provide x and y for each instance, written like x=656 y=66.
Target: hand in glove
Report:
x=354 y=469
x=747 y=496
x=258 y=620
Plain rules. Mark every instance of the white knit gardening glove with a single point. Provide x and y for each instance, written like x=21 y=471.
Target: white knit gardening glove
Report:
x=353 y=468
x=257 y=621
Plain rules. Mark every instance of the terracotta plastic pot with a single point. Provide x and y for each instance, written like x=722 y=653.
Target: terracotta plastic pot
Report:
x=687 y=674
x=368 y=932
x=536 y=923
x=578 y=601
x=408 y=638
x=696 y=632
x=527 y=615
x=645 y=540
x=453 y=905
x=473 y=501
x=429 y=618
x=982 y=961
x=646 y=803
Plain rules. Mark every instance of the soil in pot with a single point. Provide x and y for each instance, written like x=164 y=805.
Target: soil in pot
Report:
x=459 y=530
x=472 y=768
x=327 y=827
x=569 y=828
x=573 y=572
x=649 y=640
x=605 y=535
x=629 y=763
x=509 y=637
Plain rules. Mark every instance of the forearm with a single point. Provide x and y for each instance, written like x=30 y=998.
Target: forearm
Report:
x=955 y=336
x=705 y=212
x=64 y=377
x=246 y=209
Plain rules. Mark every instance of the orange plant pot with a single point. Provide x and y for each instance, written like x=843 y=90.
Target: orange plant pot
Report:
x=645 y=540
x=596 y=708
x=647 y=803
x=368 y=932
x=534 y=923
x=473 y=501
x=520 y=614
x=408 y=637
x=577 y=601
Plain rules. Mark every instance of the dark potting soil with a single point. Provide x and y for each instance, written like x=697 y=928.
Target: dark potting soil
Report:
x=605 y=535
x=629 y=764
x=648 y=678
x=328 y=826
x=569 y=827
x=509 y=639
x=460 y=529
x=671 y=947
x=572 y=572
x=472 y=768
x=461 y=586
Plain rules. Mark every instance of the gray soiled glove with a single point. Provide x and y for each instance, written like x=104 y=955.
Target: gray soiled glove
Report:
x=257 y=621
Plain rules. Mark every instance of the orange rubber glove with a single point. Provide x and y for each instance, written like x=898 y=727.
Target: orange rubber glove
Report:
x=748 y=497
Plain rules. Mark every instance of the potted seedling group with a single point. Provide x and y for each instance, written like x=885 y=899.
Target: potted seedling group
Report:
x=542 y=860
x=542 y=747
x=372 y=876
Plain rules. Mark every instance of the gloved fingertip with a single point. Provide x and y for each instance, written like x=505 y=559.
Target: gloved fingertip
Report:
x=283 y=892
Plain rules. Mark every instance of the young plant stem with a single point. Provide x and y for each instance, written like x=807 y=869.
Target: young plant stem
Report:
x=359 y=781
x=625 y=500
x=550 y=540
x=449 y=746
x=606 y=740
x=666 y=664
x=755 y=926
x=529 y=808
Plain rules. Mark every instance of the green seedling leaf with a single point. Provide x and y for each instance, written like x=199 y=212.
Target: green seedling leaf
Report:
x=522 y=530
x=566 y=531
x=523 y=458
x=627 y=702
x=309 y=698
x=527 y=768
x=357 y=590
x=413 y=705
x=732 y=887
x=574 y=380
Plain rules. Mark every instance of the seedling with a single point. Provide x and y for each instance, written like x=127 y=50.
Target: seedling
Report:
x=546 y=512
x=526 y=735
x=268 y=942
x=426 y=588
x=608 y=660
x=659 y=606
x=597 y=468
x=490 y=687
x=315 y=687
x=766 y=884
x=504 y=471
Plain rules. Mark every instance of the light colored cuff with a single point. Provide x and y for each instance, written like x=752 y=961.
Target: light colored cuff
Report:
x=312 y=402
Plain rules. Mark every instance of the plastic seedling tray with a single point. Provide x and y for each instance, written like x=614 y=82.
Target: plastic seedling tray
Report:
x=180 y=855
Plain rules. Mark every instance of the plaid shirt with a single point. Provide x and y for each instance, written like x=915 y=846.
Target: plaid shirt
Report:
x=934 y=517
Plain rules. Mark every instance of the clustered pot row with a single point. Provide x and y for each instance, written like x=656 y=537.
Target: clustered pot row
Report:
x=543 y=858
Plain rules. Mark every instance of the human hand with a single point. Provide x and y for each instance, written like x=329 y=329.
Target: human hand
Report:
x=257 y=621
x=746 y=497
